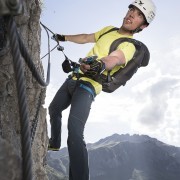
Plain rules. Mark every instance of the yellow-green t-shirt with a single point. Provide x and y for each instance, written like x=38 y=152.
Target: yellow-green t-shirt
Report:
x=101 y=49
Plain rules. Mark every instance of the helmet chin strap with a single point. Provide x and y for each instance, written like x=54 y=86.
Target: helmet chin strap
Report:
x=136 y=30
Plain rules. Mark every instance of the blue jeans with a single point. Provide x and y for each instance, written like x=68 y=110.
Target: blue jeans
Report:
x=70 y=93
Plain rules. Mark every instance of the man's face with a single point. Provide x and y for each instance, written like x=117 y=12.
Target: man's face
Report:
x=133 y=19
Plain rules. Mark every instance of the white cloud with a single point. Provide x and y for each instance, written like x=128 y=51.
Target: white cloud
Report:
x=176 y=53
x=159 y=94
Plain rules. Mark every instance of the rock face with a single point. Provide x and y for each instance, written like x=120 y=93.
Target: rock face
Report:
x=126 y=157
x=9 y=162
x=10 y=130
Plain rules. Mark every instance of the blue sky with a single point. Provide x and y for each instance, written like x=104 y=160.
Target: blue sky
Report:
x=149 y=103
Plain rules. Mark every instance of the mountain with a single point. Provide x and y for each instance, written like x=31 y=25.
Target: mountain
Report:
x=54 y=174
x=125 y=157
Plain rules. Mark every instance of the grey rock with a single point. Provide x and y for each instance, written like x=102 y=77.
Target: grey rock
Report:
x=10 y=162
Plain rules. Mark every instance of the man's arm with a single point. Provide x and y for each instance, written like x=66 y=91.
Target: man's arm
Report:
x=80 y=38
x=115 y=58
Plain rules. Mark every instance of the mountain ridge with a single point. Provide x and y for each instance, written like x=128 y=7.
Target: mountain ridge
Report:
x=129 y=157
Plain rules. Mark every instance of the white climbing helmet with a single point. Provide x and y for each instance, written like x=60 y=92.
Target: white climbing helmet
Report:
x=147 y=7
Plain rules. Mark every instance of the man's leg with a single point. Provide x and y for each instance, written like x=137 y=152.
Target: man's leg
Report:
x=79 y=112
x=60 y=102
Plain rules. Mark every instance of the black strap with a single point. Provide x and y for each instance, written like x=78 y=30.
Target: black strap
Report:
x=110 y=30
x=141 y=50
x=113 y=29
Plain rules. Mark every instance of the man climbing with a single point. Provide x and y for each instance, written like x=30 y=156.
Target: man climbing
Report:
x=80 y=90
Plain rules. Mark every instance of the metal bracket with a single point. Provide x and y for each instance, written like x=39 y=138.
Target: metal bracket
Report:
x=10 y=7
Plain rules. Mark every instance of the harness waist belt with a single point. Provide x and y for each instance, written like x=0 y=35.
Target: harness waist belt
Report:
x=88 y=89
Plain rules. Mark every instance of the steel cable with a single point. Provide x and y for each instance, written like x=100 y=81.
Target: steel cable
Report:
x=22 y=101
x=31 y=65
x=18 y=49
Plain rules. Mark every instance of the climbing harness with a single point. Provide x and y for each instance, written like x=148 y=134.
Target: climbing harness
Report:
x=88 y=89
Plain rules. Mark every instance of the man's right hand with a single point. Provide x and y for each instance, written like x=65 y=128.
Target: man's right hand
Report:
x=58 y=37
x=84 y=67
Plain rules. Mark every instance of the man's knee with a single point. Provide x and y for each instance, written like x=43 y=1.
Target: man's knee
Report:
x=54 y=111
x=75 y=133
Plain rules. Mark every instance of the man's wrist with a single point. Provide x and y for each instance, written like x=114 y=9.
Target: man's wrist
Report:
x=61 y=37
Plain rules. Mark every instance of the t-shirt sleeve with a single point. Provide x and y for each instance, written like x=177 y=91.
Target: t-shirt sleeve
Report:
x=128 y=49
